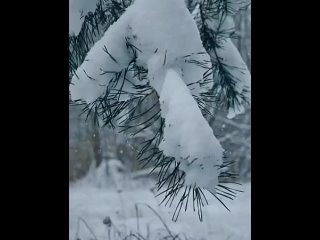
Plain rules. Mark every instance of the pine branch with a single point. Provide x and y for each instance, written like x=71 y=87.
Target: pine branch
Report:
x=94 y=26
x=211 y=19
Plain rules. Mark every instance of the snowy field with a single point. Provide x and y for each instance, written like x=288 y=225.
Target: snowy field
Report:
x=93 y=201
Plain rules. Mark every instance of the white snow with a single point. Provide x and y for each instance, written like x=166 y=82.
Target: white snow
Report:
x=88 y=81
x=187 y=135
x=230 y=56
x=163 y=31
x=75 y=9
x=93 y=204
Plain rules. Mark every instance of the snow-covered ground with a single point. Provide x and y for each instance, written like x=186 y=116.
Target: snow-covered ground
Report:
x=93 y=202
